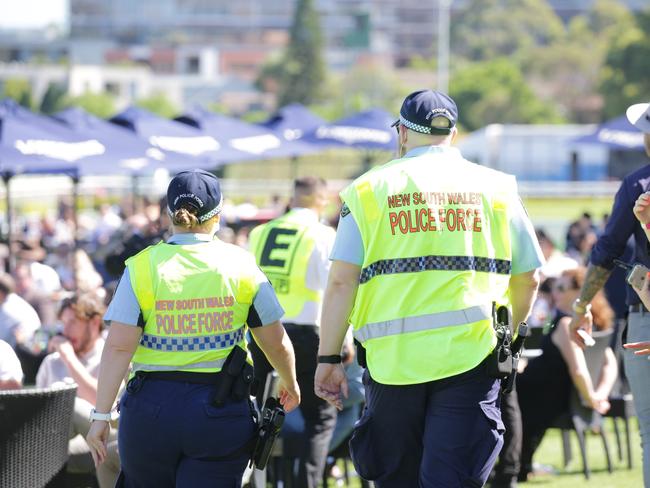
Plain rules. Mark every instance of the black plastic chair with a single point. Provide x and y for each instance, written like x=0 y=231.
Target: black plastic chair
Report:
x=582 y=419
x=34 y=432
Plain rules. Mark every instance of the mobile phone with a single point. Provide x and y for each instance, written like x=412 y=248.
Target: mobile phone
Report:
x=637 y=276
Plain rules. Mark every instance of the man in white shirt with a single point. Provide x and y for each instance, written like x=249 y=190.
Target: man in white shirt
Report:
x=74 y=358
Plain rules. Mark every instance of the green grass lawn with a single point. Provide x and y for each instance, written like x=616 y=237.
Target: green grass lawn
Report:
x=550 y=453
x=567 y=209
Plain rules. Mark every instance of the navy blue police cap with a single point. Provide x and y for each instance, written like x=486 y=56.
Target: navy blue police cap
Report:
x=197 y=189
x=428 y=112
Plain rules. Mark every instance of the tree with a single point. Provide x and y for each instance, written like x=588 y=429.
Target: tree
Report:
x=299 y=73
x=54 y=99
x=19 y=90
x=568 y=71
x=159 y=104
x=496 y=92
x=486 y=29
x=99 y=104
x=626 y=78
x=361 y=88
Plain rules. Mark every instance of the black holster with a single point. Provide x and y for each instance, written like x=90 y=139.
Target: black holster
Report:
x=504 y=359
x=234 y=379
x=270 y=425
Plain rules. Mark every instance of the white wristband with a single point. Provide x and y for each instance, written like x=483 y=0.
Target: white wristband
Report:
x=95 y=415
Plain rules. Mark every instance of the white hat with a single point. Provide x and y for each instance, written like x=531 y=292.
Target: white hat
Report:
x=639 y=116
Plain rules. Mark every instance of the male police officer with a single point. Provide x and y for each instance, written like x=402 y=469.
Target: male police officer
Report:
x=293 y=251
x=426 y=244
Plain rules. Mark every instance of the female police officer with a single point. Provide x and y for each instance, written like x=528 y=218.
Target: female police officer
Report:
x=179 y=313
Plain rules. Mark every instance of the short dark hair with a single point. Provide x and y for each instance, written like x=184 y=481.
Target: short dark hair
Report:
x=309 y=184
x=85 y=305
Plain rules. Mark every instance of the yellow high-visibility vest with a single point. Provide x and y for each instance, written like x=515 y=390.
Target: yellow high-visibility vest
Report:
x=195 y=301
x=435 y=231
x=282 y=248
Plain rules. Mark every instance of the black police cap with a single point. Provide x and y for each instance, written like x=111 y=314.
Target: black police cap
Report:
x=428 y=112
x=198 y=189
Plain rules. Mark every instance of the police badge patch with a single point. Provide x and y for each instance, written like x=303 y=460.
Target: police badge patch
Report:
x=345 y=210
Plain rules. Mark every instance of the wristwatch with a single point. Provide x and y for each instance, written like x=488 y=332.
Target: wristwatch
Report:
x=95 y=415
x=331 y=359
x=580 y=307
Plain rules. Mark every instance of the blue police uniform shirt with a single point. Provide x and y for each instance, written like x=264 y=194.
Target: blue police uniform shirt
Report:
x=526 y=253
x=621 y=225
x=124 y=306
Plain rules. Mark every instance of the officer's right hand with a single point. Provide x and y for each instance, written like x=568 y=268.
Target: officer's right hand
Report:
x=330 y=381
x=289 y=393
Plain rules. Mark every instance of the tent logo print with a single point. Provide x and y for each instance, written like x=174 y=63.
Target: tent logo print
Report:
x=620 y=137
x=194 y=146
x=351 y=135
x=67 y=151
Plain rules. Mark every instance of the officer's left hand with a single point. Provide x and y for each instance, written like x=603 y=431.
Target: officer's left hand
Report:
x=330 y=381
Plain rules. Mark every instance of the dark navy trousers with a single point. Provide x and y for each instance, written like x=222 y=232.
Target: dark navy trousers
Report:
x=441 y=434
x=168 y=428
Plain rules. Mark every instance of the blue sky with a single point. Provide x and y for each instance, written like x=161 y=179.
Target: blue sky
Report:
x=32 y=13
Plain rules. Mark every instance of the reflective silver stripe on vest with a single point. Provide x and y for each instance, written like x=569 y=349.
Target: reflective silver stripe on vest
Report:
x=422 y=322
x=429 y=263
x=192 y=344
x=218 y=363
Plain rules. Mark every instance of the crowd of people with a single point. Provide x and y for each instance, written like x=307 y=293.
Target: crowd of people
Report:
x=66 y=276
x=55 y=292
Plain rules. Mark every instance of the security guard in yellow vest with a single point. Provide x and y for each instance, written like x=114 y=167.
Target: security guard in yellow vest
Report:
x=426 y=244
x=293 y=251
x=180 y=313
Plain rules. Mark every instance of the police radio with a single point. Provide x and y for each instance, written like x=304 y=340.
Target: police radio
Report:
x=504 y=359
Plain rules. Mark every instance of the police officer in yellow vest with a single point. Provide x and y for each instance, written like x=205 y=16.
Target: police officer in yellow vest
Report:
x=180 y=313
x=293 y=251
x=426 y=244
